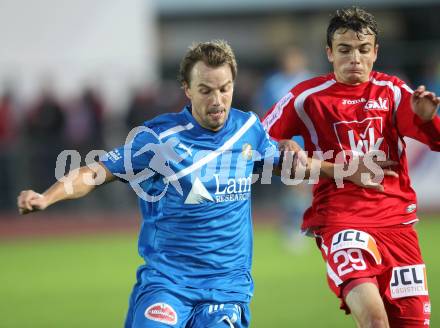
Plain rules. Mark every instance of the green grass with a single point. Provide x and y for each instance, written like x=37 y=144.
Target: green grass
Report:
x=85 y=282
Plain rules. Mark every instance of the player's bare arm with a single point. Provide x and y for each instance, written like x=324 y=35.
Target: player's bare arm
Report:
x=424 y=103
x=362 y=176
x=81 y=182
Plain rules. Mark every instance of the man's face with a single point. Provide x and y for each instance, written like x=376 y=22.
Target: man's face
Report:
x=210 y=92
x=352 y=55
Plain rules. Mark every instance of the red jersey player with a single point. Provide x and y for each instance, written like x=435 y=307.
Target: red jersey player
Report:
x=366 y=236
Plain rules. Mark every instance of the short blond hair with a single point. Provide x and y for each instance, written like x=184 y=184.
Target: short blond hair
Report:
x=213 y=53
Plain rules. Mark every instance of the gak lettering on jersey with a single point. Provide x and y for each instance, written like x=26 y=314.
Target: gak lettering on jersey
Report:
x=379 y=104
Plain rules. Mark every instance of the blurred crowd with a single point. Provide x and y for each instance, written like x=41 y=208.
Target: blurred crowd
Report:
x=32 y=135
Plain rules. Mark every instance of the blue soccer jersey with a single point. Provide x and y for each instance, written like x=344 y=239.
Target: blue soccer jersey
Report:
x=194 y=189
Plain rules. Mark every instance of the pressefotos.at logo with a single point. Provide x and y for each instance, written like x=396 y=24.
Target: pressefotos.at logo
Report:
x=160 y=160
x=163 y=153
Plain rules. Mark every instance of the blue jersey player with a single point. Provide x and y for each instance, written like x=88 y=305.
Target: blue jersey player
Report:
x=192 y=172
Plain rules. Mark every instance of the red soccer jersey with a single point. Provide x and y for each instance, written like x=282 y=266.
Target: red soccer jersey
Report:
x=374 y=115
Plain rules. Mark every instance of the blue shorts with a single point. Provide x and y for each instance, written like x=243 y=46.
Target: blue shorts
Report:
x=157 y=306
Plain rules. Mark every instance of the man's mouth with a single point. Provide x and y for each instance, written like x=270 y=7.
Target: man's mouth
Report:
x=216 y=113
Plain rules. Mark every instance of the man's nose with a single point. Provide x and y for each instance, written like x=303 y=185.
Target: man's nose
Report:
x=216 y=98
x=355 y=56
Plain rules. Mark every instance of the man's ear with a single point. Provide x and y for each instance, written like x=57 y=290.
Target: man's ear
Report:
x=376 y=49
x=187 y=90
x=329 y=54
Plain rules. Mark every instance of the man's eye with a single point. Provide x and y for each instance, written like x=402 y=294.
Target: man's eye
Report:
x=344 y=51
x=365 y=50
x=204 y=91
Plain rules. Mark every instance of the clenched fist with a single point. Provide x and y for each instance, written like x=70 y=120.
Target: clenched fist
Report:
x=30 y=201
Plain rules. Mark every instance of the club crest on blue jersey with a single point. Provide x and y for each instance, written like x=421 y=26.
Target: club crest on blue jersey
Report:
x=187 y=179
x=246 y=151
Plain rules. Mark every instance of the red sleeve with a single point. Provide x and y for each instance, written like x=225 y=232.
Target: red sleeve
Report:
x=410 y=125
x=281 y=121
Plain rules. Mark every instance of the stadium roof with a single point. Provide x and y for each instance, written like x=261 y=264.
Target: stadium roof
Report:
x=191 y=7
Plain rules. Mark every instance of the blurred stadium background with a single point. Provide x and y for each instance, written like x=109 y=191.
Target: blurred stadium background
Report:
x=80 y=74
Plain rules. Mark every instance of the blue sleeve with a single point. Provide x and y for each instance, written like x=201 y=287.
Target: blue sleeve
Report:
x=130 y=159
x=267 y=147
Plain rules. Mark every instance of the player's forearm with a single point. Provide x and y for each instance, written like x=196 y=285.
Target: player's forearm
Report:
x=74 y=185
x=326 y=169
x=313 y=168
x=426 y=132
x=432 y=130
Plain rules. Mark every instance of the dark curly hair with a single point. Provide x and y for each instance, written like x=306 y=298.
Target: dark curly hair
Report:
x=213 y=53
x=355 y=19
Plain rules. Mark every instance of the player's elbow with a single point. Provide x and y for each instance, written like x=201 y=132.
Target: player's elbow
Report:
x=82 y=181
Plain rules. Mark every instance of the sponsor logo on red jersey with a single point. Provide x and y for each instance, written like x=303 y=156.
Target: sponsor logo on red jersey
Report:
x=360 y=137
x=353 y=101
x=161 y=312
x=276 y=113
x=377 y=104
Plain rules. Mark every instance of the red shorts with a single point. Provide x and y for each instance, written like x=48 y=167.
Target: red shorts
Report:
x=390 y=257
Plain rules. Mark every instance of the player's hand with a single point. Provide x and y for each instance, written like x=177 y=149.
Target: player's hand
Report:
x=424 y=103
x=286 y=145
x=30 y=201
x=366 y=178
